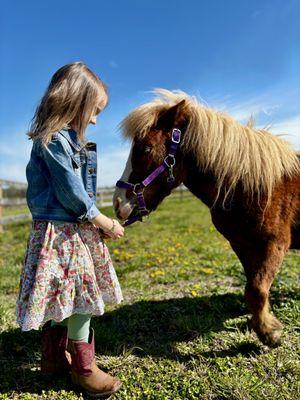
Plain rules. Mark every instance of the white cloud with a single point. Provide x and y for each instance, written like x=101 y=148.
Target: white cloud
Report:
x=290 y=129
x=17 y=145
x=14 y=155
x=13 y=172
x=256 y=106
x=267 y=110
x=111 y=164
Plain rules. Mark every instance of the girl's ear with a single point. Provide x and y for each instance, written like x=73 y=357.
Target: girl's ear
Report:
x=173 y=117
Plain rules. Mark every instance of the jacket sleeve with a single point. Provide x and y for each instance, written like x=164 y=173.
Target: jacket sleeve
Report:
x=67 y=186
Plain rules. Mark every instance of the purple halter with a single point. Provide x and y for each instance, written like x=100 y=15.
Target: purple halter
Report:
x=138 y=188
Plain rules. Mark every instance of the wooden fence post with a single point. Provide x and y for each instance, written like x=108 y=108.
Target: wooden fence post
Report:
x=1 y=208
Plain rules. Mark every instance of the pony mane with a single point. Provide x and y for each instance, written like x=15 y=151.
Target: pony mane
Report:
x=233 y=152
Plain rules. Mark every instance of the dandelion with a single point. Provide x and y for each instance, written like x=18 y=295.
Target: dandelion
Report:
x=207 y=271
x=157 y=273
x=197 y=286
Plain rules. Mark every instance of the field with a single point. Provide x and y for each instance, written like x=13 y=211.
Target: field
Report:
x=182 y=331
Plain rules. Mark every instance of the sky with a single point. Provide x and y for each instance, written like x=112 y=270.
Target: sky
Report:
x=238 y=56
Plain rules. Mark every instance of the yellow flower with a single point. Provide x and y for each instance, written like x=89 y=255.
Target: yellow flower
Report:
x=194 y=293
x=207 y=271
x=157 y=273
x=196 y=286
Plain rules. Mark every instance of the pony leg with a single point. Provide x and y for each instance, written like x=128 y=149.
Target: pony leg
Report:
x=261 y=264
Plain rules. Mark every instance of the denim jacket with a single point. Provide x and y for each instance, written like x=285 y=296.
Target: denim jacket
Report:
x=62 y=179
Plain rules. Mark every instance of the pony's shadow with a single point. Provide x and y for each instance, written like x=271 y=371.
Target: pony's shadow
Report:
x=143 y=328
x=152 y=327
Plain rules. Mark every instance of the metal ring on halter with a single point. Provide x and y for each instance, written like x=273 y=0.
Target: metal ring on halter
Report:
x=178 y=131
x=136 y=188
x=172 y=157
x=142 y=210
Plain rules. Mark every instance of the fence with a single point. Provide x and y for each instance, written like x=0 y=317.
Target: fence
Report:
x=13 y=206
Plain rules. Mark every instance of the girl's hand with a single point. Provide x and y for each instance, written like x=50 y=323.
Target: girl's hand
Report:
x=116 y=231
x=110 y=227
x=102 y=234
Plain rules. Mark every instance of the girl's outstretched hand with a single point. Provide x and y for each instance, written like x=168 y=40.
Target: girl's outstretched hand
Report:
x=103 y=234
x=109 y=227
x=116 y=231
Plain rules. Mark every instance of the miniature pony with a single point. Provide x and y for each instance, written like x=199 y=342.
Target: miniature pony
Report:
x=249 y=179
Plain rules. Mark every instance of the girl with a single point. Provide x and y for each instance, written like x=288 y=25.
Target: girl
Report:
x=67 y=274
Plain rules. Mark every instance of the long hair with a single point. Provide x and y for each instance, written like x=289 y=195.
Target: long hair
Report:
x=71 y=98
x=233 y=152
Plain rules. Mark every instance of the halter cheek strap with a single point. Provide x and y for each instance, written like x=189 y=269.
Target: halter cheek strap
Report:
x=138 y=188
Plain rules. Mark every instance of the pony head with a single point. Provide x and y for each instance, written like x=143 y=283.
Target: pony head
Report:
x=150 y=144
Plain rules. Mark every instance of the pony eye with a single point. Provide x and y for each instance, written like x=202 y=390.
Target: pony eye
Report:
x=147 y=149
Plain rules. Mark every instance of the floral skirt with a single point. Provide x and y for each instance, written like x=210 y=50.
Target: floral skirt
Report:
x=67 y=270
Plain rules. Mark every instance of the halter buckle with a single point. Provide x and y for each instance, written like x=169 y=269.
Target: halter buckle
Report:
x=137 y=188
x=174 y=132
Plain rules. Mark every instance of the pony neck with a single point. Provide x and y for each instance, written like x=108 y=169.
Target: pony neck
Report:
x=203 y=184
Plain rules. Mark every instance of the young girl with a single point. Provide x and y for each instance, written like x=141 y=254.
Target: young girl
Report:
x=68 y=275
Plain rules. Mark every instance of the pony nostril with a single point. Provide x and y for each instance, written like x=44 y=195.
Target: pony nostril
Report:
x=117 y=201
x=118 y=214
x=124 y=211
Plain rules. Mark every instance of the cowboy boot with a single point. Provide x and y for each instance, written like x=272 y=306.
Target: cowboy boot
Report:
x=55 y=359
x=85 y=371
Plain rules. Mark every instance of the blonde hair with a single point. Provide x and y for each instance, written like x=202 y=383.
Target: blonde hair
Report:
x=234 y=152
x=71 y=97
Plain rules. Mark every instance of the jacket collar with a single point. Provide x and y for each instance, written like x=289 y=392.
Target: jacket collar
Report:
x=71 y=137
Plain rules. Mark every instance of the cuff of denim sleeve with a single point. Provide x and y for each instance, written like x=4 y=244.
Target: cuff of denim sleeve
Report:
x=91 y=213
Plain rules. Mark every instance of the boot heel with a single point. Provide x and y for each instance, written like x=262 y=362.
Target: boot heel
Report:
x=85 y=372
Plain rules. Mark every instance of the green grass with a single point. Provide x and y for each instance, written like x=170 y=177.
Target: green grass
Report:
x=181 y=332
x=15 y=210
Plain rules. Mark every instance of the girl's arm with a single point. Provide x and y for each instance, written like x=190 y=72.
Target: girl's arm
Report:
x=67 y=186
x=70 y=191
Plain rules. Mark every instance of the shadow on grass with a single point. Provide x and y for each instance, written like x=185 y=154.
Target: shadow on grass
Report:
x=144 y=328
x=152 y=327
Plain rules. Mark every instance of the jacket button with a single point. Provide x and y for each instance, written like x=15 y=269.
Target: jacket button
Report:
x=91 y=194
x=91 y=170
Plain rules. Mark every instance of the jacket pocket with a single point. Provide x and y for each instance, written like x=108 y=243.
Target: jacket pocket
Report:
x=78 y=159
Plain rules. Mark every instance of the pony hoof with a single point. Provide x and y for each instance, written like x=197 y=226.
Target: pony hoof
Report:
x=271 y=339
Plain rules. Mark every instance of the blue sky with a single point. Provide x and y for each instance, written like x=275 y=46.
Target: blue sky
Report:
x=242 y=57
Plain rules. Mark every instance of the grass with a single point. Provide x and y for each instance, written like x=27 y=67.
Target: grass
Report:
x=15 y=210
x=181 y=332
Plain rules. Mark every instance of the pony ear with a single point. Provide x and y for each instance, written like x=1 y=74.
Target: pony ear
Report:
x=172 y=117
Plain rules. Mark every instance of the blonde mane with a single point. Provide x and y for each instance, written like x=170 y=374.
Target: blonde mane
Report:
x=232 y=151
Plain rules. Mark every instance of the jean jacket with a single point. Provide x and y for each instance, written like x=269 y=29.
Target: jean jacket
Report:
x=62 y=179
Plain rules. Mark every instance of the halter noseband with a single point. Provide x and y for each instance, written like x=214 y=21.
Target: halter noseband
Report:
x=138 y=188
